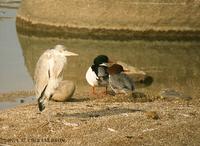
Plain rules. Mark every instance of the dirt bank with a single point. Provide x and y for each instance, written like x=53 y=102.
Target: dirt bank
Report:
x=112 y=14
x=96 y=122
x=108 y=18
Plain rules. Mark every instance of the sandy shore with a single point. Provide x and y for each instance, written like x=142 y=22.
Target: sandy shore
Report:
x=108 y=19
x=103 y=121
x=109 y=14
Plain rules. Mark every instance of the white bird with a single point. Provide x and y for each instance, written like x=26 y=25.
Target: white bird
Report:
x=97 y=74
x=49 y=73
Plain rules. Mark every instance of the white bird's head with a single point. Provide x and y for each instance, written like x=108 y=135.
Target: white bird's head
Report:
x=62 y=50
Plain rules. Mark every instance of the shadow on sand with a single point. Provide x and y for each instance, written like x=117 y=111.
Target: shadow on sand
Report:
x=102 y=112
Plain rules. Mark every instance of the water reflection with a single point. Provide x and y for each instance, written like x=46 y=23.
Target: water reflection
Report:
x=16 y=102
x=13 y=73
x=172 y=64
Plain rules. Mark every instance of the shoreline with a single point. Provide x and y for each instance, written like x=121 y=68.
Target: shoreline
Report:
x=12 y=95
x=28 y=27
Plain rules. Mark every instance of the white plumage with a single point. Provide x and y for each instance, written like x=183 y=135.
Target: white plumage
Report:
x=49 y=73
x=91 y=77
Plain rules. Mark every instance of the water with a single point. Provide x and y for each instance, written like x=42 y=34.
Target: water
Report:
x=13 y=72
x=172 y=64
x=16 y=102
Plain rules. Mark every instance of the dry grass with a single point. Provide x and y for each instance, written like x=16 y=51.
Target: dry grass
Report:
x=95 y=121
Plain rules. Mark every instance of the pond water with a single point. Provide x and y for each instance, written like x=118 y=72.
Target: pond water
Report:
x=171 y=64
x=174 y=64
x=13 y=72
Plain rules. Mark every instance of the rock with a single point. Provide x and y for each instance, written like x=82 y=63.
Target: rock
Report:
x=140 y=97
x=21 y=100
x=140 y=78
x=64 y=91
x=152 y=115
x=132 y=70
x=142 y=81
x=147 y=80
x=171 y=94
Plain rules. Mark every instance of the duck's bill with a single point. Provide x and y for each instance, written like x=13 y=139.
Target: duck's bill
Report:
x=68 y=53
x=126 y=70
x=110 y=61
x=104 y=64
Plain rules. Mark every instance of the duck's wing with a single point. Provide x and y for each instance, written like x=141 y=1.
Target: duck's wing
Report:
x=102 y=75
x=121 y=82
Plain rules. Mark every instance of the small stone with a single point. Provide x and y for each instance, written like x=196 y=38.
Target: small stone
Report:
x=88 y=105
x=171 y=94
x=129 y=136
x=5 y=127
x=21 y=100
x=94 y=115
x=112 y=130
x=71 y=124
x=152 y=115
x=131 y=69
x=64 y=91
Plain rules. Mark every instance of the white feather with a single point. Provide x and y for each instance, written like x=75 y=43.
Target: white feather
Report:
x=91 y=77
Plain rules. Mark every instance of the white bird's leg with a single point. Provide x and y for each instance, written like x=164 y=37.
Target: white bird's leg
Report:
x=61 y=108
x=93 y=90
x=48 y=113
x=49 y=117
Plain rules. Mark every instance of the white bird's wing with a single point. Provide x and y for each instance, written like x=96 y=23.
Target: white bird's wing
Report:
x=56 y=65
x=48 y=72
x=41 y=76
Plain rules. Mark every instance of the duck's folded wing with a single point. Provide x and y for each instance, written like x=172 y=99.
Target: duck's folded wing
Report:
x=121 y=81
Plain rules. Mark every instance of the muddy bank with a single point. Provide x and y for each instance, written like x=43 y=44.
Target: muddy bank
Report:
x=10 y=4
x=9 y=96
x=50 y=30
x=96 y=122
x=111 y=19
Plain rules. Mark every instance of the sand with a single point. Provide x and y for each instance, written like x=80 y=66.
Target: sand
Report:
x=103 y=120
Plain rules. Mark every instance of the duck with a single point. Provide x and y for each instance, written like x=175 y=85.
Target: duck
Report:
x=97 y=74
x=119 y=81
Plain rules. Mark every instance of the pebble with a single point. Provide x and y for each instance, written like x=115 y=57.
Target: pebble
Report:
x=171 y=94
x=152 y=115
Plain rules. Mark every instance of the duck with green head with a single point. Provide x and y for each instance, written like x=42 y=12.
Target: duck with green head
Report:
x=97 y=74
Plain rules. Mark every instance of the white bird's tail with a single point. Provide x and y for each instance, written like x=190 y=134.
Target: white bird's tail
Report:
x=47 y=92
x=41 y=100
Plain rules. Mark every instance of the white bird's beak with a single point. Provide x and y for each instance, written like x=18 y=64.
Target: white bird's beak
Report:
x=67 y=53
